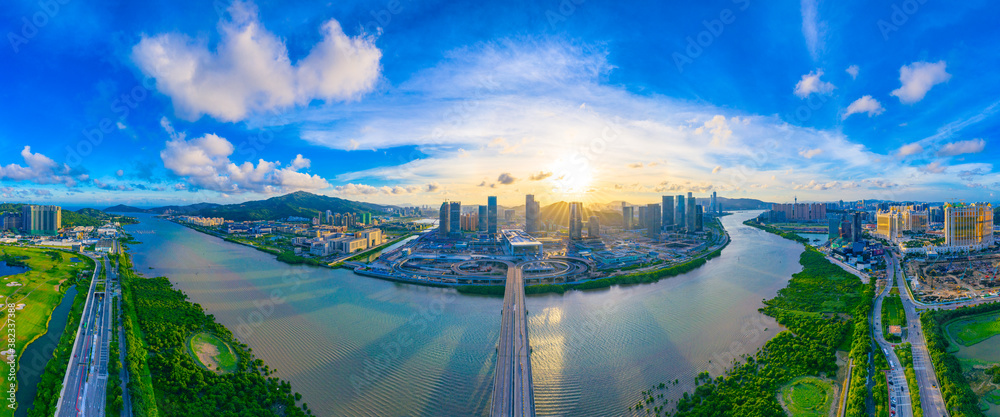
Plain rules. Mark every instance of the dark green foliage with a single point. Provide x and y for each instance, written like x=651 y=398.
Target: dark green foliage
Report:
x=777 y=231
x=298 y=204
x=166 y=319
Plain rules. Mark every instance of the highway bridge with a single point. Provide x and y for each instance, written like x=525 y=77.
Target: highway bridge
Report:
x=513 y=391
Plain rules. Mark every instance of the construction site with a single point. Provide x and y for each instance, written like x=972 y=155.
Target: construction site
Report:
x=955 y=278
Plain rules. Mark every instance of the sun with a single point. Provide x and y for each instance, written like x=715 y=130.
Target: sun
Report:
x=572 y=177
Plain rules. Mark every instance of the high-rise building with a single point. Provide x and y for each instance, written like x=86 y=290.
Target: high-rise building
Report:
x=668 y=211
x=627 y=216
x=801 y=212
x=643 y=216
x=833 y=227
x=329 y=217
x=856 y=231
x=691 y=221
x=575 y=220
x=968 y=227
x=699 y=218
x=41 y=220
x=531 y=212
x=483 y=219
x=714 y=204
x=508 y=215
x=456 y=218
x=444 y=224
x=898 y=219
x=653 y=217
x=491 y=201
x=679 y=219
x=593 y=227
x=11 y=221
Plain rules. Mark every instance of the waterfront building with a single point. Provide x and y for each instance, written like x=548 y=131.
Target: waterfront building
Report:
x=593 y=227
x=968 y=227
x=575 y=220
x=531 y=212
x=517 y=242
x=483 y=219
x=491 y=202
x=455 y=207
x=653 y=217
x=801 y=212
x=691 y=226
x=444 y=223
x=679 y=218
x=833 y=228
x=668 y=211
x=41 y=220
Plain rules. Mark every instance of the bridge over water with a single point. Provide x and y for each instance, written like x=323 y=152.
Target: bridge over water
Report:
x=513 y=391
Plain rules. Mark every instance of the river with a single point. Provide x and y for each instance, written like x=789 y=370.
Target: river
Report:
x=360 y=346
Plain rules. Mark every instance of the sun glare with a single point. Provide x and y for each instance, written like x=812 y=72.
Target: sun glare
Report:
x=572 y=177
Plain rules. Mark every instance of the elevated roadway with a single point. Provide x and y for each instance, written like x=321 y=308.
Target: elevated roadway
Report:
x=513 y=391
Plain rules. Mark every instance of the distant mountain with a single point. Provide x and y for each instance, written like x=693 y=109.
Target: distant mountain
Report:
x=558 y=213
x=299 y=204
x=742 y=203
x=121 y=208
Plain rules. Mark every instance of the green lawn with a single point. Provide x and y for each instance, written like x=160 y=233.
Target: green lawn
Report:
x=971 y=330
x=892 y=315
x=808 y=396
x=40 y=290
x=212 y=353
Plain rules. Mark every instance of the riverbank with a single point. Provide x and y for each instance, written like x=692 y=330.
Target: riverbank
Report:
x=645 y=277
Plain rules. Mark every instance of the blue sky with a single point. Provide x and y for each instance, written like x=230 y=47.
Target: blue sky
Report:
x=416 y=102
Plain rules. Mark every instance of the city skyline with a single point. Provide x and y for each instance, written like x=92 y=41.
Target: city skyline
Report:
x=375 y=102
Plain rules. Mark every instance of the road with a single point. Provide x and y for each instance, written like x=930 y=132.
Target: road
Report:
x=930 y=391
x=899 y=391
x=513 y=390
x=85 y=384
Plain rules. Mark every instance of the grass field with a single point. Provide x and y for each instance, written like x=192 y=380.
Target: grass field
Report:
x=968 y=331
x=892 y=315
x=807 y=397
x=212 y=353
x=39 y=290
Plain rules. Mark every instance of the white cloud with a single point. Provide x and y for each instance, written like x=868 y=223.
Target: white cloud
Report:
x=810 y=83
x=250 y=70
x=918 y=78
x=204 y=163
x=853 y=71
x=120 y=172
x=717 y=169
x=962 y=147
x=864 y=104
x=40 y=169
x=719 y=129
x=812 y=27
x=933 y=168
x=809 y=153
x=910 y=149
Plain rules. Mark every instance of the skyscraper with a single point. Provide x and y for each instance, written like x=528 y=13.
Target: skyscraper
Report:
x=715 y=204
x=593 y=227
x=643 y=216
x=41 y=220
x=691 y=226
x=668 y=211
x=482 y=219
x=492 y=213
x=627 y=216
x=456 y=218
x=575 y=220
x=444 y=224
x=699 y=217
x=679 y=218
x=653 y=217
x=531 y=211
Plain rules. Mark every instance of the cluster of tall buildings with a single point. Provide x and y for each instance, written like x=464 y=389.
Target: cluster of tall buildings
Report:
x=848 y=226
x=675 y=212
x=451 y=221
x=41 y=220
x=799 y=212
x=346 y=219
x=891 y=223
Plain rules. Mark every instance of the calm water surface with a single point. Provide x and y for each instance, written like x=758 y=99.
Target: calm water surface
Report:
x=359 y=346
